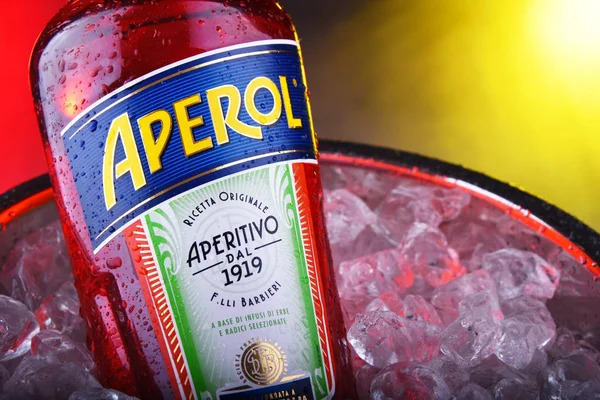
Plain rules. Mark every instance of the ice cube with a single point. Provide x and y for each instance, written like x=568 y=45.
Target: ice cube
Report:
x=527 y=326
x=568 y=374
x=40 y=380
x=392 y=384
x=483 y=304
x=402 y=208
x=418 y=309
x=582 y=390
x=99 y=394
x=425 y=251
x=431 y=379
x=373 y=275
x=491 y=371
x=413 y=202
x=36 y=266
x=516 y=389
x=470 y=339
x=351 y=308
x=447 y=298
x=55 y=347
x=384 y=338
x=409 y=381
x=453 y=374
x=371 y=186
x=564 y=344
x=60 y=311
x=370 y=240
x=387 y=302
x=364 y=377
x=473 y=392
x=521 y=273
x=346 y=216
x=17 y=327
x=538 y=363
x=472 y=240
x=449 y=203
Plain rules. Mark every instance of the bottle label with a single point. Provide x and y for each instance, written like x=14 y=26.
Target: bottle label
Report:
x=202 y=168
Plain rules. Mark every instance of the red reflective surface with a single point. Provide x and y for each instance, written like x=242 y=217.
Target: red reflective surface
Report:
x=21 y=154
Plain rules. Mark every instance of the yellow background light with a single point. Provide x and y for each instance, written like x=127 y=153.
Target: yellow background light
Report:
x=509 y=88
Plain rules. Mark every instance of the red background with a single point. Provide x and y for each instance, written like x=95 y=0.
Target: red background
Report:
x=21 y=155
x=511 y=88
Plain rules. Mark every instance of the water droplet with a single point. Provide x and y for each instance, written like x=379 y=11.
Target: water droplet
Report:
x=219 y=29
x=93 y=125
x=114 y=262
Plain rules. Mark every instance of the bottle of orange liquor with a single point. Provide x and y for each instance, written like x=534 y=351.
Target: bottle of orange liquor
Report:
x=180 y=144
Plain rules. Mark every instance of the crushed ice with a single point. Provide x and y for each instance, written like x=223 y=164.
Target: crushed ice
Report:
x=457 y=300
x=443 y=297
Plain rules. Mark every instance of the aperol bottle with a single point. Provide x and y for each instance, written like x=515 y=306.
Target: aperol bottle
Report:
x=180 y=144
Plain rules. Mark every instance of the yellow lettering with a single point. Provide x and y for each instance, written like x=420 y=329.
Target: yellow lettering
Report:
x=186 y=126
x=293 y=122
x=249 y=101
x=120 y=128
x=231 y=120
x=155 y=148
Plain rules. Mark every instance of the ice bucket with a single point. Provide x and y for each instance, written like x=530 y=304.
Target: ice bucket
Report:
x=31 y=203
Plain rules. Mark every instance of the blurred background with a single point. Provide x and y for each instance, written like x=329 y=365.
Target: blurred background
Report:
x=510 y=88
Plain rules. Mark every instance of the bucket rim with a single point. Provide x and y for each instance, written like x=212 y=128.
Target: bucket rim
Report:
x=33 y=193
x=567 y=225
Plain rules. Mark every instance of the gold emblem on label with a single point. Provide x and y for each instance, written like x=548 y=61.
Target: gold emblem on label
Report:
x=261 y=362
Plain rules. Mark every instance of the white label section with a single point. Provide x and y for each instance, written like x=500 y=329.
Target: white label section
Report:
x=232 y=262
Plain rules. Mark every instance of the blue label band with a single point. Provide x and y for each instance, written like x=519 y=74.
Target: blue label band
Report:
x=185 y=125
x=300 y=389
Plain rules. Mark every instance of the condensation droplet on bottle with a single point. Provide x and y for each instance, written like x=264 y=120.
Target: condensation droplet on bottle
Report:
x=219 y=29
x=114 y=262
